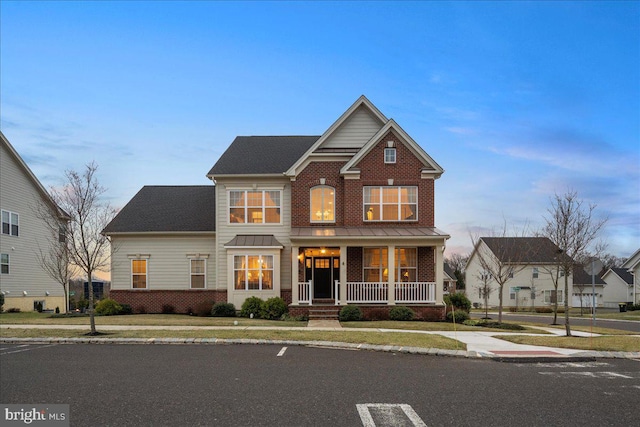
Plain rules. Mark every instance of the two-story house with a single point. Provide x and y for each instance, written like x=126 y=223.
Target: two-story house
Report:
x=346 y=217
x=26 y=234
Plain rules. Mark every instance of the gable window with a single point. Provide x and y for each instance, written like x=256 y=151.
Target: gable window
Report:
x=323 y=200
x=534 y=274
x=9 y=223
x=390 y=203
x=253 y=272
x=254 y=206
x=139 y=273
x=4 y=263
x=197 y=273
x=389 y=155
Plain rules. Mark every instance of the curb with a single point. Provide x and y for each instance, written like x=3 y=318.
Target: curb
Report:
x=588 y=356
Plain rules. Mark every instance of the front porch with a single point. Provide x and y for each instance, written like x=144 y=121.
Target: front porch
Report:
x=390 y=293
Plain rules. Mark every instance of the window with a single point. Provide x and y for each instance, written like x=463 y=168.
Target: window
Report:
x=535 y=273
x=376 y=261
x=9 y=223
x=390 y=203
x=253 y=272
x=550 y=296
x=513 y=292
x=139 y=273
x=389 y=155
x=4 y=263
x=323 y=204
x=255 y=207
x=197 y=273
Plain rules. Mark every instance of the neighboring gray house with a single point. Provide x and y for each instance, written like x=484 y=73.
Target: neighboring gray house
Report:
x=619 y=287
x=23 y=282
x=632 y=265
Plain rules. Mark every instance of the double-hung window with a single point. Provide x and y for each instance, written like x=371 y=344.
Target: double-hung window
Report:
x=197 y=273
x=390 y=203
x=323 y=200
x=10 y=224
x=255 y=206
x=253 y=272
x=138 y=273
x=389 y=155
x=376 y=261
x=4 y=263
x=550 y=296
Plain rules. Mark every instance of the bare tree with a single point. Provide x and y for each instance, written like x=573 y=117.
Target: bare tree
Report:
x=555 y=271
x=458 y=262
x=571 y=225
x=502 y=258
x=485 y=290
x=80 y=198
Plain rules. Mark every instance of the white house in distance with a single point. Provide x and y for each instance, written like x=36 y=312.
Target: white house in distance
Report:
x=531 y=259
x=619 y=286
x=633 y=266
x=587 y=289
x=23 y=282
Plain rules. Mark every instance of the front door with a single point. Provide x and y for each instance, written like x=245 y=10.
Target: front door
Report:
x=322 y=277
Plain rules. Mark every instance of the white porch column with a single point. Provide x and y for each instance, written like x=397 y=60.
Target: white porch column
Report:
x=439 y=269
x=294 y=275
x=391 y=263
x=343 y=275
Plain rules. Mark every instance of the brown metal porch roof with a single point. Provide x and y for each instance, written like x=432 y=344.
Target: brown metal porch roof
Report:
x=254 y=240
x=365 y=232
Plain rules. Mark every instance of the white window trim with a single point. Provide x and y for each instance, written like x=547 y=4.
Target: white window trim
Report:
x=399 y=267
x=8 y=264
x=146 y=272
x=546 y=296
x=312 y=214
x=191 y=274
x=387 y=159
x=11 y=224
x=263 y=191
x=381 y=203
x=246 y=256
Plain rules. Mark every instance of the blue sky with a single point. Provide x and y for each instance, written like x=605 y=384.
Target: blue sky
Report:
x=515 y=100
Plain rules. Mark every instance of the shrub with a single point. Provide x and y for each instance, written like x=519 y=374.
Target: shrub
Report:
x=126 y=309
x=273 y=308
x=57 y=310
x=13 y=310
x=108 y=307
x=168 y=309
x=223 y=309
x=251 y=306
x=203 y=309
x=507 y=326
x=350 y=313
x=377 y=314
x=141 y=309
x=544 y=310
x=39 y=307
x=1 y=302
x=401 y=313
x=460 y=316
x=459 y=301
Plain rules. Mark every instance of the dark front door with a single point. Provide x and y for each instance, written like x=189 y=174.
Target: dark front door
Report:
x=322 y=277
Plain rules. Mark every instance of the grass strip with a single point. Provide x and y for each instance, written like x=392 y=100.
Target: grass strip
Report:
x=605 y=343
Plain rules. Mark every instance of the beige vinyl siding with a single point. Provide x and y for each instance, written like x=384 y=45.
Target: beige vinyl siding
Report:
x=167 y=261
x=355 y=131
x=19 y=194
x=225 y=231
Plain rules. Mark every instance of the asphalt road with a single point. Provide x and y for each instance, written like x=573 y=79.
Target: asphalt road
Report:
x=621 y=325
x=264 y=385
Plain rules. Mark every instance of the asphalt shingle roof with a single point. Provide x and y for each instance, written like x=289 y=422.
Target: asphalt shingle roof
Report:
x=624 y=274
x=262 y=154
x=535 y=250
x=167 y=209
x=581 y=277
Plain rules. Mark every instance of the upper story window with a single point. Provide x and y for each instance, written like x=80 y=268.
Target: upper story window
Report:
x=255 y=206
x=9 y=223
x=535 y=273
x=323 y=199
x=390 y=203
x=389 y=155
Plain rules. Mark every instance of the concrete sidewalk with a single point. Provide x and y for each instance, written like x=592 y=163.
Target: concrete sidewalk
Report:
x=479 y=344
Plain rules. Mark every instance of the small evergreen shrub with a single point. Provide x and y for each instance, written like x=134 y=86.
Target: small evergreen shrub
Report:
x=273 y=308
x=168 y=309
x=108 y=307
x=203 y=309
x=251 y=305
x=223 y=309
x=350 y=313
x=39 y=307
x=401 y=313
x=126 y=309
x=459 y=301
x=460 y=316
x=507 y=326
x=544 y=310
x=57 y=310
x=1 y=303
x=13 y=310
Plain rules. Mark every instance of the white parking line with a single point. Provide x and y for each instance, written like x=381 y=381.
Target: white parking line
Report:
x=282 y=351
x=30 y=347
x=590 y=374
x=388 y=414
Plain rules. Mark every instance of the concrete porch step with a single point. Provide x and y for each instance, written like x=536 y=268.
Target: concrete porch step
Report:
x=323 y=313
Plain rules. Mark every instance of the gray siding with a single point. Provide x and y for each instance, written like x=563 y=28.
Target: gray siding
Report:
x=355 y=131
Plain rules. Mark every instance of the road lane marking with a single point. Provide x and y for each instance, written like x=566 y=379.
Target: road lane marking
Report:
x=282 y=351
x=610 y=375
x=30 y=347
x=388 y=415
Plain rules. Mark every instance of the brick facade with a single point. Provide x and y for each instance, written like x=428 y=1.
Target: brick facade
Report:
x=429 y=313
x=152 y=301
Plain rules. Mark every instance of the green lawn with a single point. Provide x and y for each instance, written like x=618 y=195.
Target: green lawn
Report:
x=575 y=312
x=606 y=343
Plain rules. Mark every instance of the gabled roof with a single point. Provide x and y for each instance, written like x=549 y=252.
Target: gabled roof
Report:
x=167 y=209
x=622 y=273
x=526 y=250
x=248 y=155
x=31 y=176
x=581 y=277
x=449 y=273
x=633 y=261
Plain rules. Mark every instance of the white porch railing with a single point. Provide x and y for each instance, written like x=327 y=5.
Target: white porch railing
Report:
x=415 y=292
x=367 y=292
x=305 y=292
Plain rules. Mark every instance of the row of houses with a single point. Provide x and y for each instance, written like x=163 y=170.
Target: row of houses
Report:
x=346 y=217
